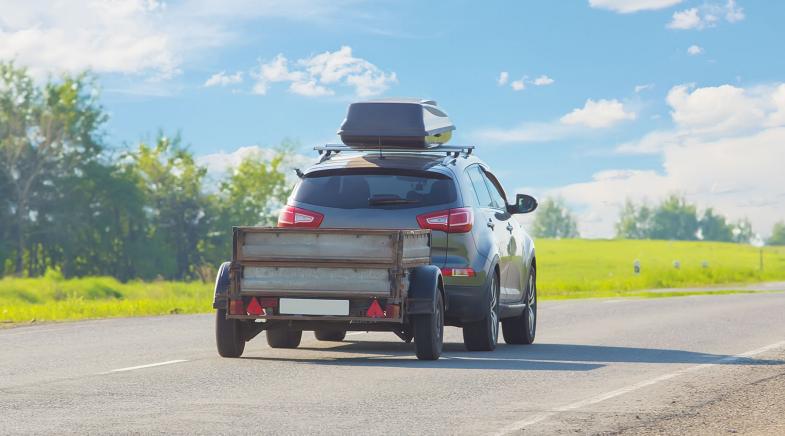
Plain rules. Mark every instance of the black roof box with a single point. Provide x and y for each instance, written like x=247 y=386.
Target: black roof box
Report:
x=395 y=123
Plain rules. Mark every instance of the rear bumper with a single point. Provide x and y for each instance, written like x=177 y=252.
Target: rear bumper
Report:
x=465 y=304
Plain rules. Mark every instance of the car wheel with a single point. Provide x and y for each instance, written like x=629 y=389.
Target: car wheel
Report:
x=284 y=338
x=228 y=335
x=483 y=335
x=330 y=335
x=429 y=332
x=522 y=328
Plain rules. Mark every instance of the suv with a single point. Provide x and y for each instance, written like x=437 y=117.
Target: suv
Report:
x=486 y=257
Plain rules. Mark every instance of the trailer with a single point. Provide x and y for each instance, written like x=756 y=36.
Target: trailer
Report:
x=288 y=280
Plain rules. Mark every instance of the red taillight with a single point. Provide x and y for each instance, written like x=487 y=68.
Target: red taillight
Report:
x=236 y=307
x=291 y=216
x=458 y=220
x=458 y=272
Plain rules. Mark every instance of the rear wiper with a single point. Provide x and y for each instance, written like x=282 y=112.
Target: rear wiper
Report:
x=388 y=200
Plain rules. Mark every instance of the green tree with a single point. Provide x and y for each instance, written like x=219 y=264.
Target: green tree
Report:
x=742 y=231
x=675 y=219
x=554 y=220
x=177 y=209
x=47 y=133
x=777 y=234
x=634 y=222
x=714 y=227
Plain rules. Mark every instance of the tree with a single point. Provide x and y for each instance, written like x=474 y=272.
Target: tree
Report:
x=675 y=219
x=47 y=133
x=742 y=231
x=714 y=227
x=777 y=234
x=554 y=220
x=634 y=222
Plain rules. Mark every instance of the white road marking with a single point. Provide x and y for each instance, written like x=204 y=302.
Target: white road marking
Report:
x=132 y=368
x=355 y=333
x=522 y=424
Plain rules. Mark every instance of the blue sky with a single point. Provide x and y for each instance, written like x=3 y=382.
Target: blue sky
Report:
x=594 y=101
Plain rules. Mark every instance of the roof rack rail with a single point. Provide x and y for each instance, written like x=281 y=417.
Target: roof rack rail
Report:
x=455 y=150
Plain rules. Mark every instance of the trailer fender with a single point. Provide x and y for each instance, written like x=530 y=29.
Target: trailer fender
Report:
x=424 y=282
x=221 y=295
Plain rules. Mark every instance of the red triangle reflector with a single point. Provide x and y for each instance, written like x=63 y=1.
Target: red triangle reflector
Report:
x=254 y=308
x=375 y=311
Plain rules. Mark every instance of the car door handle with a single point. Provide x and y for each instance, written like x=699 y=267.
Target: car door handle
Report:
x=490 y=223
x=509 y=227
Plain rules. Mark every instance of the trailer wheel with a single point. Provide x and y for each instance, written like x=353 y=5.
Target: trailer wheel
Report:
x=429 y=332
x=330 y=335
x=284 y=338
x=228 y=335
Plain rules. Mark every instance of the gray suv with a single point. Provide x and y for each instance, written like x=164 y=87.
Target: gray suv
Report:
x=486 y=257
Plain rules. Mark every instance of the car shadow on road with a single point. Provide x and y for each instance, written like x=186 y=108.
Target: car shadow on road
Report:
x=535 y=357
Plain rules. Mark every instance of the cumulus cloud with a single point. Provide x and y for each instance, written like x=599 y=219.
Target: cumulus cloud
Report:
x=543 y=80
x=107 y=37
x=504 y=76
x=694 y=50
x=319 y=74
x=629 y=6
x=724 y=151
x=598 y=114
x=594 y=115
x=223 y=79
x=707 y=15
x=518 y=85
x=221 y=163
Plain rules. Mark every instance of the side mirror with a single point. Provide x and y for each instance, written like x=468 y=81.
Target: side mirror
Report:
x=523 y=204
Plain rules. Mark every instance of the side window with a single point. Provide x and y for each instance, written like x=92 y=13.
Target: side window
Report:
x=498 y=198
x=480 y=188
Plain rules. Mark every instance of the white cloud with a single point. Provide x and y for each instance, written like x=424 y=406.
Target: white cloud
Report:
x=593 y=116
x=725 y=151
x=629 y=6
x=223 y=79
x=543 y=80
x=504 y=76
x=107 y=37
x=644 y=87
x=220 y=163
x=708 y=15
x=518 y=85
x=687 y=19
x=598 y=114
x=315 y=76
x=694 y=50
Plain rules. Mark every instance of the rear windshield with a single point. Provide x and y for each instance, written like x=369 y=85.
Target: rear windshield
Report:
x=376 y=188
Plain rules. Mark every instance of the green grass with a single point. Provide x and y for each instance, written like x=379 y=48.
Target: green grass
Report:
x=578 y=268
x=566 y=269
x=51 y=298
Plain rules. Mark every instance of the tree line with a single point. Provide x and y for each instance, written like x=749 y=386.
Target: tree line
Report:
x=672 y=219
x=68 y=201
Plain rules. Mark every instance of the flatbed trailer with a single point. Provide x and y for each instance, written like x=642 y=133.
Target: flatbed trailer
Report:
x=287 y=280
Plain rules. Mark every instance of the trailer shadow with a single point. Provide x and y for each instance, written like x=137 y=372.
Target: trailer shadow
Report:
x=535 y=357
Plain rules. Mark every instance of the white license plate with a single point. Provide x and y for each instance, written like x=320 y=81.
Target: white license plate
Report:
x=308 y=306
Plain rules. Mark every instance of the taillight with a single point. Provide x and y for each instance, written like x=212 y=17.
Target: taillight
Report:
x=292 y=216
x=457 y=220
x=458 y=272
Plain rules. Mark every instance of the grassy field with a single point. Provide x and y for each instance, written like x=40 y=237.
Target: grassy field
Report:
x=566 y=269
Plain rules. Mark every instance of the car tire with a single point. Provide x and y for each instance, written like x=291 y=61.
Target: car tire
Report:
x=284 y=338
x=429 y=331
x=330 y=335
x=228 y=335
x=522 y=328
x=483 y=335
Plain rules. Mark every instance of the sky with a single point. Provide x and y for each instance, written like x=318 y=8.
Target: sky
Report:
x=593 y=101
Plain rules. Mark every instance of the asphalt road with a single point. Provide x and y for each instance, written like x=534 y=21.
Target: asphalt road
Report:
x=629 y=366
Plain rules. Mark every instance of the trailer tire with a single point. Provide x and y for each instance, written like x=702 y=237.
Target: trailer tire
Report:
x=228 y=335
x=429 y=331
x=284 y=338
x=330 y=335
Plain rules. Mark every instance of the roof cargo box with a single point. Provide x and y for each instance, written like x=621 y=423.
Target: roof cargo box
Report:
x=395 y=123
